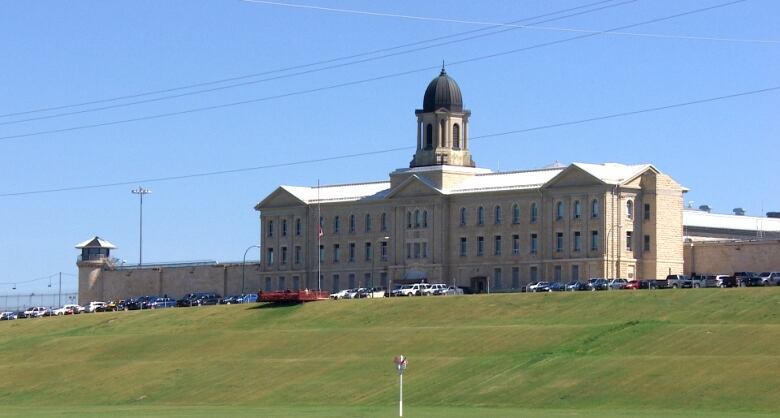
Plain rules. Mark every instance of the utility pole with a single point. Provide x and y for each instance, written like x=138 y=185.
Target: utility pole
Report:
x=140 y=191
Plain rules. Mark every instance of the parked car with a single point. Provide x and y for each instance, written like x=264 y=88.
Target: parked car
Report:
x=748 y=279
x=617 y=284
x=699 y=280
x=198 y=299
x=20 y=315
x=357 y=293
x=449 y=291
x=598 y=284
x=539 y=287
x=576 y=286
x=632 y=285
x=556 y=287
x=724 y=280
x=7 y=316
x=678 y=281
x=230 y=300
x=249 y=298
x=433 y=288
x=340 y=294
x=37 y=312
x=93 y=306
x=411 y=289
x=162 y=303
x=770 y=278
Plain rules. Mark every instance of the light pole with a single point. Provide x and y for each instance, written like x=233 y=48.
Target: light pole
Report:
x=140 y=191
x=243 y=268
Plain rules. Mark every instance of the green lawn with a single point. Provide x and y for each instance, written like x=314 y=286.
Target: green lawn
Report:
x=701 y=352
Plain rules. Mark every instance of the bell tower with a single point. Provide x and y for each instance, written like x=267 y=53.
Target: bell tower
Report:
x=442 y=126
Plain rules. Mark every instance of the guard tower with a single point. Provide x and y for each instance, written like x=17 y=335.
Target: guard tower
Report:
x=95 y=255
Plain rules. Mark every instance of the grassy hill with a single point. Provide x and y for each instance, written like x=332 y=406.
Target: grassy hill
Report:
x=702 y=352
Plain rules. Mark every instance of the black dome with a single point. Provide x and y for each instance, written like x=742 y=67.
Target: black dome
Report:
x=444 y=92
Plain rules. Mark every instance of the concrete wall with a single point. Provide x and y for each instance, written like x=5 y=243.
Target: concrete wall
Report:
x=729 y=257
x=97 y=281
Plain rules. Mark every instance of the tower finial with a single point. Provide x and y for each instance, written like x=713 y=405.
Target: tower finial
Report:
x=443 y=71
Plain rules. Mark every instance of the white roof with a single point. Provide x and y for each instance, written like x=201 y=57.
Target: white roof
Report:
x=483 y=180
x=95 y=242
x=702 y=219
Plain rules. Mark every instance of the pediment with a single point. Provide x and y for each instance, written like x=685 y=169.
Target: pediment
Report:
x=573 y=176
x=413 y=186
x=279 y=198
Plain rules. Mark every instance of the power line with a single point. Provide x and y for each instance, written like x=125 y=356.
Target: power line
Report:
x=316 y=63
x=356 y=82
x=494 y=24
x=390 y=150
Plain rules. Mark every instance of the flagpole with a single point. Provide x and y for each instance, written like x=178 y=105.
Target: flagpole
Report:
x=319 y=239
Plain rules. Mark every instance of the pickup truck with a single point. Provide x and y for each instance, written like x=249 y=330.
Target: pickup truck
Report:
x=410 y=289
x=678 y=281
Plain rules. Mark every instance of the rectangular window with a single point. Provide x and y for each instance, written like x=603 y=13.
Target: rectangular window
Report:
x=647 y=243
x=424 y=250
x=497 y=285
x=559 y=242
x=515 y=244
x=416 y=250
x=336 y=253
x=480 y=246
x=594 y=240
x=270 y=257
x=298 y=227
x=322 y=253
x=336 y=284
x=351 y=252
x=297 y=254
x=351 y=280
x=463 y=247
x=515 y=277
x=557 y=273
x=368 y=222
x=270 y=228
x=352 y=224
x=368 y=254
x=383 y=222
x=534 y=274
x=284 y=255
x=367 y=280
x=629 y=241
x=497 y=245
x=296 y=283
x=284 y=227
x=383 y=251
x=267 y=284
x=647 y=211
x=336 y=224
x=282 y=283
x=577 y=241
x=534 y=240
x=575 y=272
x=408 y=250
x=383 y=279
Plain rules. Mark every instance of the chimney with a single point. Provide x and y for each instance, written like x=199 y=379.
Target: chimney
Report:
x=705 y=208
x=739 y=211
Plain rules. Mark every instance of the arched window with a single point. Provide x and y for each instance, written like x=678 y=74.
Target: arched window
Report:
x=577 y=209
x=559 y=210
x=534 y=212
x=425 y=219
x=270 y=228
x=383 y=222
x=594 y=208
x=351 y=223
x=481 y=216
x=368 y=222
x=630 y=209
x=498 y=215
x=429 y=136
x=417 y=218
x=298 y=227
x=456 y=136
x=284 y=227
x=462 y=216
x=443 y=135
x=515 y=214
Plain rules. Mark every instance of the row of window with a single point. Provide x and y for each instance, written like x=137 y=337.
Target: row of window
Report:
x=533 y=214
x=443 y=136
x=336 y=225
x=336 y=253
x=533 y=244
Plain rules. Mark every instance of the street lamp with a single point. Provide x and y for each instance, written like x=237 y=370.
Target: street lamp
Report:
x=140 y=191
x=243 y=268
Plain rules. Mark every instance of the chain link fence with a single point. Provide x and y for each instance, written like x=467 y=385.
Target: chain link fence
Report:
x=19 y=302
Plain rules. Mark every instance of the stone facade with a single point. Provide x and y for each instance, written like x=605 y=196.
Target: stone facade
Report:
x=727 y=257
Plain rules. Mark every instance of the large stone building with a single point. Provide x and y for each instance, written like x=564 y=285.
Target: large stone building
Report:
x=445 y=220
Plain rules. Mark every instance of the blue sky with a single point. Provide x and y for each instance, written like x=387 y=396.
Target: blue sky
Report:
x=63 y=53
